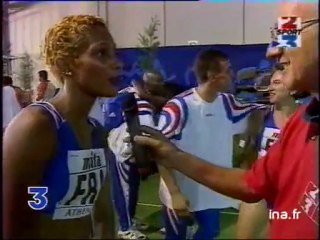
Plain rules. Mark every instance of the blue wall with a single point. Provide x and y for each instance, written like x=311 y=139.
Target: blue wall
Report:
x=175 y=63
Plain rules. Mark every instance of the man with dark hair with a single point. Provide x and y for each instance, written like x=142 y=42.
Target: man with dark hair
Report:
x=212 y=60
x=43 y=75
x=45 y=90
x=7 y=81
x=196 y=120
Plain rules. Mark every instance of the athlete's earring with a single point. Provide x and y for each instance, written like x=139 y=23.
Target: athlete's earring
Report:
x=68 y=74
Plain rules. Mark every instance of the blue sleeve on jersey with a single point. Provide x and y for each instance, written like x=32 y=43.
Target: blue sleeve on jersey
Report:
x=237 y=111
x=173 y=118
x=113 y=114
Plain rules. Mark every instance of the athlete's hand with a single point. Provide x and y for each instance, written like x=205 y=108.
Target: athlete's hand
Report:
x=141 y=90
x=180 y=204
x=161 y=149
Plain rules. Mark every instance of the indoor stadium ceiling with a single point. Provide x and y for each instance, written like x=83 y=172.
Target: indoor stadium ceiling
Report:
x=17 y=6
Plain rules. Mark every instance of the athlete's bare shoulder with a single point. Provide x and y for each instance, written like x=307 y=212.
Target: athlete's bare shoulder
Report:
x=28 y=145
x=31 y=119
x=30 y=134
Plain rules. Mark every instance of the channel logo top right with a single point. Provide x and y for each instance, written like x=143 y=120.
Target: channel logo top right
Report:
x=289 y=32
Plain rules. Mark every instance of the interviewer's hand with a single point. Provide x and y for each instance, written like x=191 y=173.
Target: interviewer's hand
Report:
x=161 y=149
x=141 y=90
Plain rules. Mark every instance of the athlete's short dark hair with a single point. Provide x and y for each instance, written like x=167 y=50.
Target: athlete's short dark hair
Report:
x=208 y=60
x=43 y=74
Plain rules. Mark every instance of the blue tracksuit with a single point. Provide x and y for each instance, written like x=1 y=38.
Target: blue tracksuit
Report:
x=124 y=173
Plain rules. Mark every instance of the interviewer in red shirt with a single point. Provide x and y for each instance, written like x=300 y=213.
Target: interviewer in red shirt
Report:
x=287 y=177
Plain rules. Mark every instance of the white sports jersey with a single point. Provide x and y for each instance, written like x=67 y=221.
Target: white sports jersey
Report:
x=205 y=130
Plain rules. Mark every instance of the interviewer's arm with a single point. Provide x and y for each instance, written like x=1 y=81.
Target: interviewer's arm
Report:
x=226 y=181
x=248 y=185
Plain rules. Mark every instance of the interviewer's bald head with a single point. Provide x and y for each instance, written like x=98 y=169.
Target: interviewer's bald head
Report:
x=305 y=11
x=302 y=70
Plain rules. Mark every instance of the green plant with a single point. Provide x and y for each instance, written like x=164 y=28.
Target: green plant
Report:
x=25 y=75
x=148 y=44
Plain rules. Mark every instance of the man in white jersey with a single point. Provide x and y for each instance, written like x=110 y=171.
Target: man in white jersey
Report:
x=202 y=121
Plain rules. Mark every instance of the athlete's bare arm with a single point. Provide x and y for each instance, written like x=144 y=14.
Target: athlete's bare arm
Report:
x=252 y=217
x=104 y=212
x=28 y=144
x=179 y=203
x=249 y=151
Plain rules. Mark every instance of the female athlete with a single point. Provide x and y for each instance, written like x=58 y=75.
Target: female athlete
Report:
x=55 y=160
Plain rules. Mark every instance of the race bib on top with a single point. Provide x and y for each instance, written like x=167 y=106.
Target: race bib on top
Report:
x=87 y=173
x=270 y=136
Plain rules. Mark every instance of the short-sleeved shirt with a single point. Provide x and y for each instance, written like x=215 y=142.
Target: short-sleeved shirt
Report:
x=204 y=129
x=287 y=177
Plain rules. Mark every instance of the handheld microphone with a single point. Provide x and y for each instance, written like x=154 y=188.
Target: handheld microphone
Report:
x=131 y=114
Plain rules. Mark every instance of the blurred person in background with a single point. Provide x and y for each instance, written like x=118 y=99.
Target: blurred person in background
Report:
x=253 y=218
x=20 y=95
x=10 y=102
x=156 y=90
x=54 y=145
x=151 y=94
x=45 y=89
x=287 y=176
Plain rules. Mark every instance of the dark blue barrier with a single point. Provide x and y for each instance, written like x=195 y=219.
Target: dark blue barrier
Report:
x=175 y=63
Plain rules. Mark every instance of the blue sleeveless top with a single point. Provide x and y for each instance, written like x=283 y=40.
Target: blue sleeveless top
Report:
x=74 y=176
x=269 y=134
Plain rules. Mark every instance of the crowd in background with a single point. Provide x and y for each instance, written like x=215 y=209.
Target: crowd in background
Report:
x=15 y=98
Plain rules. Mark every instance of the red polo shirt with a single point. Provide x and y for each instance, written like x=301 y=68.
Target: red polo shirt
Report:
x=287 y=177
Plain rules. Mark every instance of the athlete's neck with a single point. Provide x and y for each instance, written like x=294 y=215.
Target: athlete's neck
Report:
x=282 y=111
x=206 y=92
x=74 y=105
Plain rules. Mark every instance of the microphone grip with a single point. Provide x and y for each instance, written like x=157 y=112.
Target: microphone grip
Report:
x=131 y=113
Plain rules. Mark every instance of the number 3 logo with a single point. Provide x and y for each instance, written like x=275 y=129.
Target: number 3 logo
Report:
x=290 y=40
x=40 y=201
